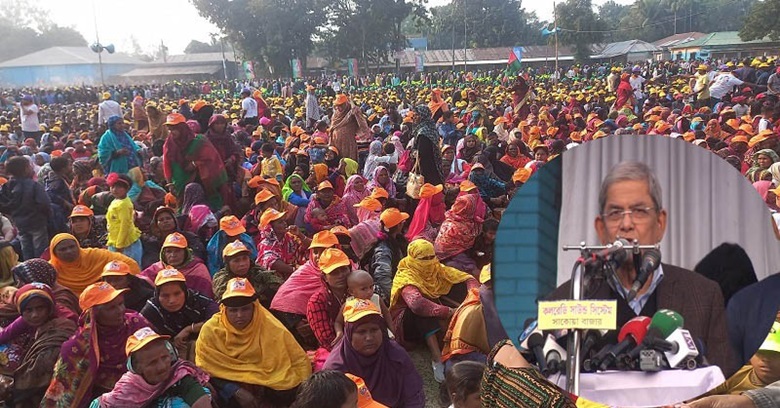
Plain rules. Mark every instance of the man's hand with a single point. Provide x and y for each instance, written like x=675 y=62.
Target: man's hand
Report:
x=719 y=401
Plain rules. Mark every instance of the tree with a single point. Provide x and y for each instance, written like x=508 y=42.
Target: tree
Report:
x=579 y=27
x=611 y=14
x=274 y=31
x=26 y=28
x=198 y=47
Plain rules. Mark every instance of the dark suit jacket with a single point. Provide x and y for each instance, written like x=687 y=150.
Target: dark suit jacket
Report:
x=697 y=299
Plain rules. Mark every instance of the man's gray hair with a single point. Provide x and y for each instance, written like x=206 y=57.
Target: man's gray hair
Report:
x=631 y=171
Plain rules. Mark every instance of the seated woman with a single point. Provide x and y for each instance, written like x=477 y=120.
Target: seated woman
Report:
x=429 y=214
x=281 y=248
x=419 y=299
x=382 y=178
x=79 y=267
x=32 y=342
x=293 y=296
x=156 y=377
x=297 y=193
x=367 y=352
x=40 y=271
x=382 y=260
x=354 y=192
x=326 y=199
x=93 y=359
x=164 y=223
x=365 y=233
x=238 y=264
x=118 y=275
x=176 y=254
x=325 y=305
x=455 y=170
x=458 y=233
x=492 y=189
x=250 y=356
x=230 y=229
x=264 y=200
x=88 y=232
x=177 y=311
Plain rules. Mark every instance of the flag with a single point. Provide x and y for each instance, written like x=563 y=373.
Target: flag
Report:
x=513 y=65
x=546 y=31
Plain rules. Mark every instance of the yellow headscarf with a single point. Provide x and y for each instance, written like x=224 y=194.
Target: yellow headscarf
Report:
x=428 y=275
x=263 y=353
x=87 y=269
x=351 y=167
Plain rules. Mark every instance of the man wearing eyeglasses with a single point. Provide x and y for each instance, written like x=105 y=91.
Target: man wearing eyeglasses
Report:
x=631 y=208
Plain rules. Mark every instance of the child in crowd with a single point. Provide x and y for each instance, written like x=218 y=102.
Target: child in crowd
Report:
x=123 y=235
x=270 y=166
x=321 y=217
x=322 y=131
x=317 y=150
x=28 y=205
x=461 y=387
x=360 y=285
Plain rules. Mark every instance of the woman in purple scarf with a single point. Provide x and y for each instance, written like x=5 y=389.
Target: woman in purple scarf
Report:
x=367 y=352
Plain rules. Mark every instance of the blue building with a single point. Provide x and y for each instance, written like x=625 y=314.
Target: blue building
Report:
x=62 y=66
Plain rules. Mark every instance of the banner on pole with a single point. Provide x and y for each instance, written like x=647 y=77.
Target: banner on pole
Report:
x=249 y=70
x=297 y=69
x=419 y=62
x=515 y=60
x=352 y=64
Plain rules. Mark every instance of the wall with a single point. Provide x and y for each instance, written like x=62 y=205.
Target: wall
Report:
x=57 y=75
x=525 y=261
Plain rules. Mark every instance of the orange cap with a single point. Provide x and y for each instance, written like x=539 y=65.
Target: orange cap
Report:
x=263 y=196
x=429 y=190
x=98 y=294
x=741 y=139
x=238 y=287
x=198 y=104
x=521 y=175
x=175 y=240
x=733 y=123
x=324 y=185
x=141 y=338
x=601 y=133
x=175 y=119
x=369 y=203
x=3 y=180
x=392 y=217
x=168 y=275
x=747 y=128
x=340 y=99
x=270 y=215
x=689 y=136
x=758 y=138
x=81 y=211
x=467 y=185
x=116 y=268
x=379 y=192
x=340 y=230
x=231 y=225
x=324 y=239
x=333 y=258
x=56 y=153
x=356 y=309
x=234 y=248
x=364 y=395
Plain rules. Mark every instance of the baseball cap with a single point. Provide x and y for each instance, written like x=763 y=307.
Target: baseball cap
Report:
x=364 y=395
x=740 y=139
x=772 y=341
x=332 y=259
x=467 y=185
x=760 y=137
x=392 y=217
x=356 y=309
x=270 y=215
x=98 y=294
x=116 y=268
x=263 y=196
x=81 y=211
x=369 y=203
x=141 y=338
x=340 y=230
x=324 y=239
x=175 y=240
x=234 y=248
x=231 y=225
x=175 y=119
x=238 y=287
x=324 y=185
x=379 y=192
x=168 y=275
x=429 y=190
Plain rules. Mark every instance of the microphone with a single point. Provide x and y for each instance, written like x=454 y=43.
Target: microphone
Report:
x=631 y=334
x=663 y=323
x=536 y=344
x=591 y=338
x=554 y=355
x=684 y=352
x=590 y=365
x=650 y=261
x=614 y=254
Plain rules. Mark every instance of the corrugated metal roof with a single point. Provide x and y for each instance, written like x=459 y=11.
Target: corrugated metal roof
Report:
x=175 y=70
x=721 y=38
x=68 y=56
x=626 y=47
x=678 y=39
x=202 y=57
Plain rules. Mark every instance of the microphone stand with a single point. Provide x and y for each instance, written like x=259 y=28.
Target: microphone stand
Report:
x=579 y=286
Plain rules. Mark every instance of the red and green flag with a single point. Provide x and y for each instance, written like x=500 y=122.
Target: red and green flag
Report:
x=514 y=63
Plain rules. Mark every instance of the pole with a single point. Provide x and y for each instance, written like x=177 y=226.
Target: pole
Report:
x=99 y=46
x=465 y=42
x=555 y=19
x=224 y=64
x=453 y=38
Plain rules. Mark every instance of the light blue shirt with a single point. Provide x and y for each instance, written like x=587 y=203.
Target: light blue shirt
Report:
x=640 y=301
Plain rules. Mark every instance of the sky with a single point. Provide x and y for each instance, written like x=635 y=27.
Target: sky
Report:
x=175 y=22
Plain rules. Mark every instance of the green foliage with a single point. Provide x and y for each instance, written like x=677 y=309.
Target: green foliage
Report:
x=763 y=20
x=199 y=47
x=26 y=28
x=582 y=27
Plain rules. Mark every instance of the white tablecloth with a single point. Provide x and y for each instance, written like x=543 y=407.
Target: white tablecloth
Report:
x=640 y=389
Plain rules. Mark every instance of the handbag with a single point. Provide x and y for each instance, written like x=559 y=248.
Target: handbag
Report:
x=415 y=181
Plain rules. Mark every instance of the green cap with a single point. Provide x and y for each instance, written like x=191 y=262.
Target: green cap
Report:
x=772 y=342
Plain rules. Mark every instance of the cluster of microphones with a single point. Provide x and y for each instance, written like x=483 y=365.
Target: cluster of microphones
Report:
x=643 y=344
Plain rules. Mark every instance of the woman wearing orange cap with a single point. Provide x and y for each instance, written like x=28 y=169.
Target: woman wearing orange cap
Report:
x=346 y=126
x=230 y=229
x=176 y=254
x=93 y=359
x=118 y=275
x=238 y=264
x=281 y=248
x=429 y=214
x=164 y=223
x=326 y=199
x=188 y=157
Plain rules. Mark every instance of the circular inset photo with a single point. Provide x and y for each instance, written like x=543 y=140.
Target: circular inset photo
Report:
x=616 y=263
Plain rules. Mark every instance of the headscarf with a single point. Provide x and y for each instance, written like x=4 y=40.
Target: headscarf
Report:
x=223 y=142
x=468 y=153
x=427 y=128
x=193 y=195
x=287 y=189
x=320 y=172
x=428 y=208
x=133 y=391
x=460 y=228
x=263 y=353
x=36 y=270
x=762 y=187
x=352 y=197
x=174 y=150
x=774 y=170
x=87 y=269
x=374 y=151
x=389 y=186
x=422 y=269
x=350 y=167
x=385 y=372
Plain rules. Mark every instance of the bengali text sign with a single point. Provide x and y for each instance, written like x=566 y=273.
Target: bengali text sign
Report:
x=578 y=314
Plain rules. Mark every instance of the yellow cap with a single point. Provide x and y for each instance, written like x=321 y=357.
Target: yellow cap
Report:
x=332 y=259
x=116 y=268
x=168 y=275
x=238 y=287
x=234 y=248
x=356 y=309
x=141 y=338
x=175 y=240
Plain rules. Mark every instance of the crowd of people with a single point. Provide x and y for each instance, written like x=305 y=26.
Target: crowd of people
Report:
x=272 y=243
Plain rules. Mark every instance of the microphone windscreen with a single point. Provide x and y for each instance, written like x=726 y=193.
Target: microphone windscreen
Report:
x=666 y=321
x=535 y=340
x=636 y=328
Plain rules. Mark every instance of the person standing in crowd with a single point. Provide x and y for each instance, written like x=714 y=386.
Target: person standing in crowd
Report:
x=248 y=107
x=29 y=118
x=108 y=108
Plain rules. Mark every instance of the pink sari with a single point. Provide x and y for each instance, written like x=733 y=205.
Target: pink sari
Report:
x=294 y=294
x=352 y=197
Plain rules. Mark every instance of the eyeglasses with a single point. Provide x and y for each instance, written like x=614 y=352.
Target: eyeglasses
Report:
x=637 y=215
